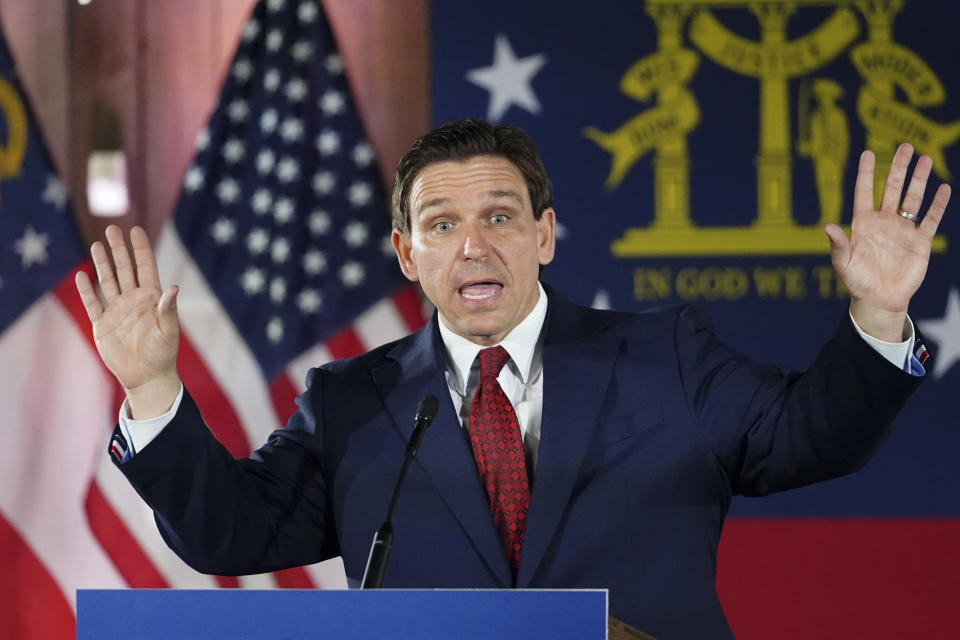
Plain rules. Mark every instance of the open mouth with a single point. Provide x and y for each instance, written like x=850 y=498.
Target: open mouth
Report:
x=480 y=290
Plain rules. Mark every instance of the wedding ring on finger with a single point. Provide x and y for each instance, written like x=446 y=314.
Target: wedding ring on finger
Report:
x=912 y=217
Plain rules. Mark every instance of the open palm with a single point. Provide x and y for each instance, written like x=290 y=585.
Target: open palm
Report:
x=885 y=259
x=136 y=330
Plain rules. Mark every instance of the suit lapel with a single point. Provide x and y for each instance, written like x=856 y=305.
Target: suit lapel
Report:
x=445 y=455
x=577 y=365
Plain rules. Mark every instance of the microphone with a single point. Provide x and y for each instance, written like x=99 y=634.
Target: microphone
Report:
x=382 y=541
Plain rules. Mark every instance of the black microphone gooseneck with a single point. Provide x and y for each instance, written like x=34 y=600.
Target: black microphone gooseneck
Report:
x=382 y=541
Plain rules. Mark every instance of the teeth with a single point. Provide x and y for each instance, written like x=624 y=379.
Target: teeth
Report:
x=479 y=291
x=471 y=296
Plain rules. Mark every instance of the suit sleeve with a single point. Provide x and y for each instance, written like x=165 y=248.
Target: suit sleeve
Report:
x=231 y=517
x=773 y=431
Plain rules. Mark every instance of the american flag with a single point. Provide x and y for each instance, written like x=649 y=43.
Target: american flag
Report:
x=280 y=245
x=282 y=210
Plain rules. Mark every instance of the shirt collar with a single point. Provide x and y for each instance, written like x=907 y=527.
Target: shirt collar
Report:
x=520 y=343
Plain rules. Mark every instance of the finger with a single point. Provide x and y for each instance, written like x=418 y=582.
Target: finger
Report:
x=839 y=246
x=893 y=185
x=121 y=258
x=863 y=190
x=147 y=273
x=88 y=296
x=934 y=214
x=918 y=184
x=101 y=261
x=167 y=311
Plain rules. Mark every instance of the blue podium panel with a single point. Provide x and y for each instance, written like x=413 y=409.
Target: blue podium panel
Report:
x=149 y=614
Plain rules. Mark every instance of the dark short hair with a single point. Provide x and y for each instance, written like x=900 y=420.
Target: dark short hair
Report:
x=461 y=140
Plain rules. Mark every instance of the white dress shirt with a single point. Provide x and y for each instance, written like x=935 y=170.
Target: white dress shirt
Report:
x=521 y=378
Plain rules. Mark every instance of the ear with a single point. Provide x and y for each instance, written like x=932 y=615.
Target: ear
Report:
x=404 y=248
x=546 y=235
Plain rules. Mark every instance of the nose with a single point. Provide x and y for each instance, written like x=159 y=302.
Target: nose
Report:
x=475 y=245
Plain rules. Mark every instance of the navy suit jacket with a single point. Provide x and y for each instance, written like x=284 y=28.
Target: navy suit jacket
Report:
x=650 y=425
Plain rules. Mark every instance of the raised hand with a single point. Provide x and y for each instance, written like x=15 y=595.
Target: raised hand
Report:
x=885 y=259
x=137 y=331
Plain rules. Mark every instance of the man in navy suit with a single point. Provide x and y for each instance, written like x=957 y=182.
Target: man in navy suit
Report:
x=637 y=429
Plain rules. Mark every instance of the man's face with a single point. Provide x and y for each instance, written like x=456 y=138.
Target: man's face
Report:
x=474 y=245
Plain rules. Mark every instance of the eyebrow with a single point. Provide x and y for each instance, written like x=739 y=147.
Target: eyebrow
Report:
x=491 y=195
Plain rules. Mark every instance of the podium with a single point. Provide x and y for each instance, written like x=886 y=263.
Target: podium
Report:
x=430 y=614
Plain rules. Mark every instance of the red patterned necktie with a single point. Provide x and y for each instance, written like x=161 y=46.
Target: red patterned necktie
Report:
x=498 y=450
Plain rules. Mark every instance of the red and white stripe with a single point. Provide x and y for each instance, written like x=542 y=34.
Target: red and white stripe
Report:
x=57 y=403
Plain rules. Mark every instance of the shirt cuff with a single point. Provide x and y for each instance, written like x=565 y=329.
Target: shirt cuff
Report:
x=140 y=433
x=899 y=354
